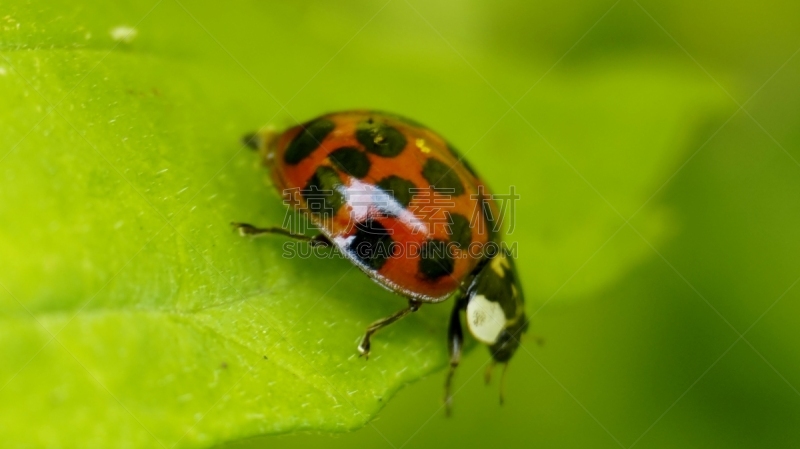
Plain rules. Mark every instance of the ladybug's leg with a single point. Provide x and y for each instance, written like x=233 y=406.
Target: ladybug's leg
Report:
x=363 y=348
x=248 y=230
x=487 y=376
x=455 y=342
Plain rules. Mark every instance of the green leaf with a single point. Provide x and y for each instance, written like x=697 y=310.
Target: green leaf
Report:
x=131 y=314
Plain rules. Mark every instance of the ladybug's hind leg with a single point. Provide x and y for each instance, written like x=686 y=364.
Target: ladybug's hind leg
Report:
x=363 y=348
x=248 y=230
x=455 y=343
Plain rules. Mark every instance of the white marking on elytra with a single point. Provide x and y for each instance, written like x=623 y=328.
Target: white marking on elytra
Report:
x=485 y=319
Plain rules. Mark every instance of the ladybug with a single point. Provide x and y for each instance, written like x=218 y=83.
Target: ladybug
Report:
x=400 y=203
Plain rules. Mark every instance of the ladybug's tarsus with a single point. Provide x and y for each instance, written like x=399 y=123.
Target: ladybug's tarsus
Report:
x=364 y=346
x=248 y=230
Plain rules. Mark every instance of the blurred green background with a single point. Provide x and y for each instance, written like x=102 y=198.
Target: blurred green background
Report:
x=654 y=146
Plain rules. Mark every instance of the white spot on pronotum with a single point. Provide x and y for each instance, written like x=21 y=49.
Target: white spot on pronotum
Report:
x=485 y=319
x=3 y=71
x=123 y=33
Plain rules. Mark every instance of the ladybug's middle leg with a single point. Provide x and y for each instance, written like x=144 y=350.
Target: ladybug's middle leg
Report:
x=248 y=230
x=363 y=348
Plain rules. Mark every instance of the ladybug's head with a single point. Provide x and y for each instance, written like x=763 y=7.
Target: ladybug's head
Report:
x=496 y=307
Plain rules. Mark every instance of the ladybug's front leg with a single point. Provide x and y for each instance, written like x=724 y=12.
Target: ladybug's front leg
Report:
x=248 y=230
x=363 y=348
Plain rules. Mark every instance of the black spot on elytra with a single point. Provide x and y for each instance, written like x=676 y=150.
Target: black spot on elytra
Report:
x=459 y=230
x=307 y=140
x=441 y=177
x=400 y=188
x=372 y=244
x=380 y=139
x=321 y=193
x=350 y=160
x=435 y=260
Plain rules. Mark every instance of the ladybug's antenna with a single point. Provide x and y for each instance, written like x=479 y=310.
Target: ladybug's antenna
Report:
x=538 y=339
x=261 y=141
x=252 y=140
